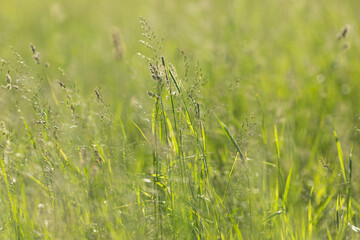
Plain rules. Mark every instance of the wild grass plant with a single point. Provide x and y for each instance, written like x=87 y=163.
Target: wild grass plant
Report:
x=256 y=140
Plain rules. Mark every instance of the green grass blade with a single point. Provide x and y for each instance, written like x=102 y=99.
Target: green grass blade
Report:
x=203 y=137
x=262 y=120
x=68 y=163
x=276 y=136
x=269 y=164
x=231 y=171
x=340 y=154
x=12 y=200
x=279 y=175
x=174 y=80
x=348 y=197
x=338 y=208
x=310 y=217
x=38 y=182
x=142 y=133
x=188 y=121
x=287 y=187
x=231 y=138
x=273 y=215
x=173 y=141
x=328 y=233
x=28 y=130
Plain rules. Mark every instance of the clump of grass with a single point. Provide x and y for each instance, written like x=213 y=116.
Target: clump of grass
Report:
x=180 y=130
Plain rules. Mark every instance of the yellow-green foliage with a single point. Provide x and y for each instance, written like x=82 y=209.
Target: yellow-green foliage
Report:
x=201 y=119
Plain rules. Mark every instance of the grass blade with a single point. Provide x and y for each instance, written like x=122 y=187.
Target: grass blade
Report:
x=273 y=215
x=348 y=199
x=172 y=136
x=340 y=154
x=310 y=217
x=231 y=171
x=328 y=234
x=231 y=138
x=68 y=163
x=141 y=132
x=28 y=130
x=276 y=136
x=287 y=187
x=262 y=120
x=174 y=80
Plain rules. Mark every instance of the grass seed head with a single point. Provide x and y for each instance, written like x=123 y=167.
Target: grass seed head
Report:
x=155 y=74
x=37 y=57
x=61 y=84
x=8 y=78
x=151 y=94
x=117 y=45
x=32 y=47
x=98 y=95
x=343 y=33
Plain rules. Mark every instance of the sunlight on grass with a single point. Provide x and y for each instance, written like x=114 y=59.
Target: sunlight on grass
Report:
x=199 y=120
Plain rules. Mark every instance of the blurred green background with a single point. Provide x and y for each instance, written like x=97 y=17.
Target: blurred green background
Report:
x=270 y=46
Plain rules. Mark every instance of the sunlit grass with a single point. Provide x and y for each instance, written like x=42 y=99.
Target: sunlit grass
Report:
x=241 y=124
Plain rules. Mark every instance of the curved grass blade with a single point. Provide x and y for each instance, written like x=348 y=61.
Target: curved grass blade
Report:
x=231 y=171
x=231 y=138
x=287 y=187
x=340 y=154
x=174 y=80
x=348 y=197
x=76 y=170
x=142 y=133
x=273 y=215
x=28 y=130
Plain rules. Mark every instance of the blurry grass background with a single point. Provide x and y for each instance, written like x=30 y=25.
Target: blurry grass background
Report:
x=280 y=74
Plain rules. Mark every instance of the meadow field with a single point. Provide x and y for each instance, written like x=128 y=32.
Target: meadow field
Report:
x=186 y=119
